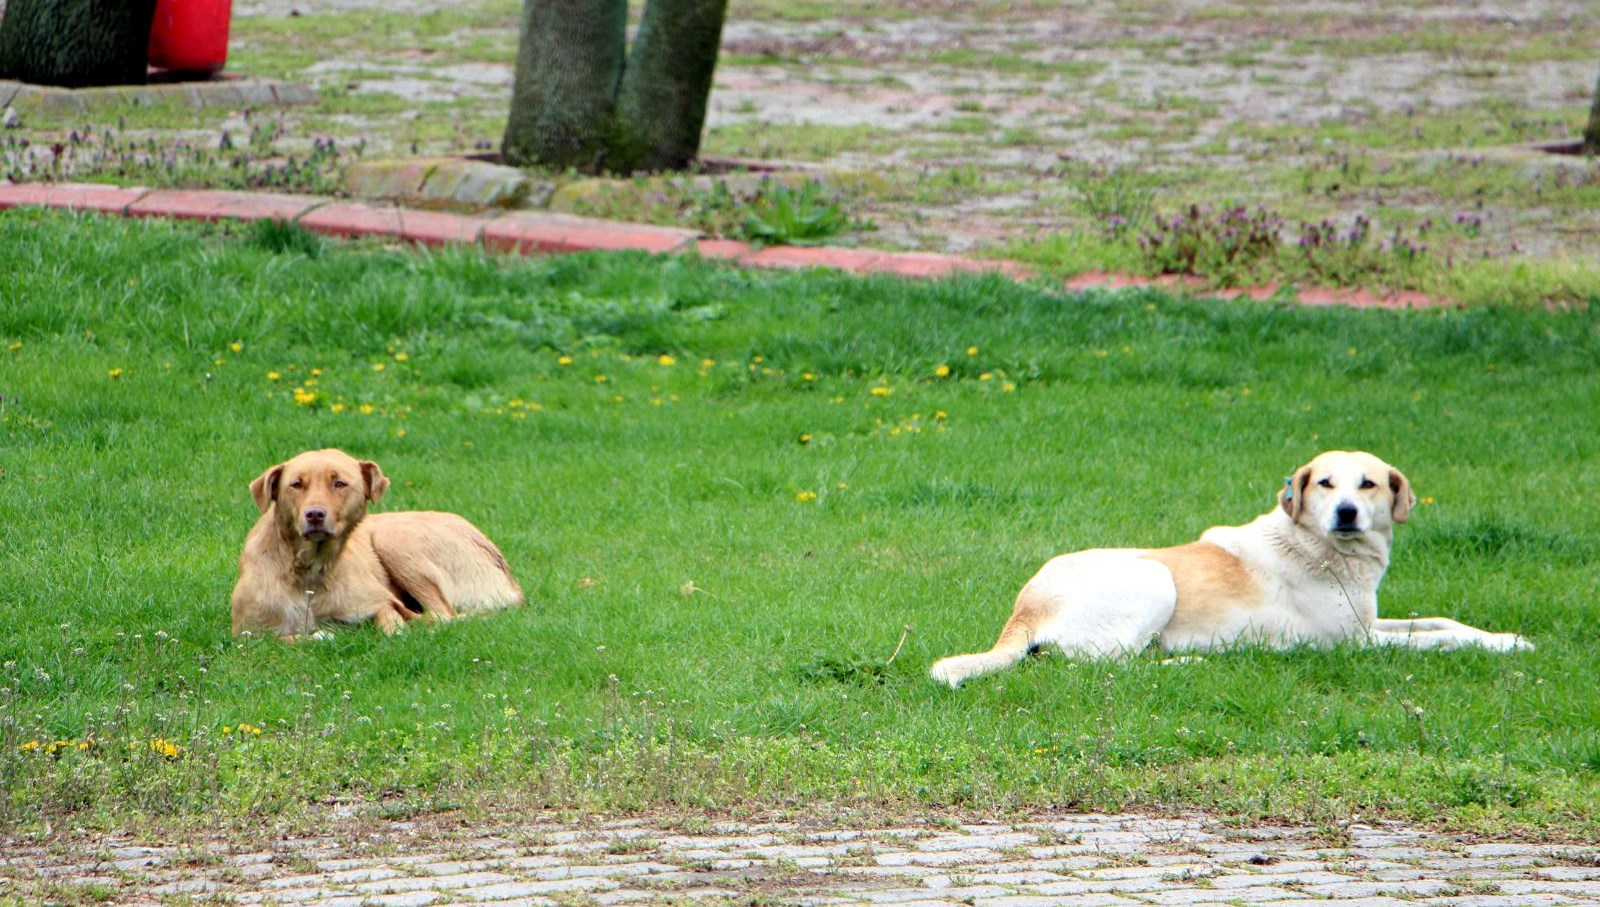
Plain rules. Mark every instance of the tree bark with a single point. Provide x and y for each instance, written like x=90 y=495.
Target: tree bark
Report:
x=569 y=61
x=661 y=105
x=1591 y=134
x=75 y=43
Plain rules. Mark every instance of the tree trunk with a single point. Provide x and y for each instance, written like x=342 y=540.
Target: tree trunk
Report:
x=74 y=43
x=569 y=61
x=661 y=105
x=1591 y=134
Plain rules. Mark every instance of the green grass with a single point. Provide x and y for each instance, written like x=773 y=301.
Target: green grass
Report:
x=719 y=558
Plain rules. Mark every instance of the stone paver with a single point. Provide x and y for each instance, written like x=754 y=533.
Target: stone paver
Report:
x=218 y=205
x=225 y=91
x=1053 y=860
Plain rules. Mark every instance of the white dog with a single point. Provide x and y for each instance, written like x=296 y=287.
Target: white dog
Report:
x=1307 y=572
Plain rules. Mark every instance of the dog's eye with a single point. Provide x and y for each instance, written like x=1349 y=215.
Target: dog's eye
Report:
x=297 y=483
x=1325 y=483
x=1368 y=483
x=340 y=483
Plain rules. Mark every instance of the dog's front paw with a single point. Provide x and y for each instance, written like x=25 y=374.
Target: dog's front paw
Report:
x=1507 y=642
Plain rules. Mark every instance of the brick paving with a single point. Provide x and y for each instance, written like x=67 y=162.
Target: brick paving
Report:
x=1054 y=860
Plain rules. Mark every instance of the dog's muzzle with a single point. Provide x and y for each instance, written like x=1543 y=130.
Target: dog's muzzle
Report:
x=314 y=525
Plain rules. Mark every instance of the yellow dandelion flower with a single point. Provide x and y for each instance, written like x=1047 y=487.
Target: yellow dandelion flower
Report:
x=806 y=497
x=758 y=359
x=564 y=360
x=805 y=438
x=986 y=376
x=842 y=486
x=236 y=346
x=399 y=433
x=366 y=409
x=378 y=366
x=881 y=391
x=165 y=747
x=1427 y=499
x=807 y=376
x=972 y=351
x=226 y=729
x=707 y=363
x=273 y=376
x=337 y=408
x=116 y=373
x=1008 y=387
x=941 y=371
x=664 y=359
x=15 y=346
x=600 y=379
x=304 y=397
x=402 y=356
x=655 y=401
x=216 y=362
x=940 y=415
x=29 y=747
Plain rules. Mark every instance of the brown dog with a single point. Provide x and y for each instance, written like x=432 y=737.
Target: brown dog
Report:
x=315 y=555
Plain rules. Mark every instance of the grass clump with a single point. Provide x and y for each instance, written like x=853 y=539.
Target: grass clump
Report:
x=767 y=210
x=727 y=494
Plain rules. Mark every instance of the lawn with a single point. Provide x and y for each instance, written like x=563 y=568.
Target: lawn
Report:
x=728 y=494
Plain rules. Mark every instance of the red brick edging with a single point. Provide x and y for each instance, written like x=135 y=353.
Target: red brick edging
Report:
x=538 y=233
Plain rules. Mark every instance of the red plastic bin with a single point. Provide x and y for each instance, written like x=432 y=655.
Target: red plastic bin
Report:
x=190 y=35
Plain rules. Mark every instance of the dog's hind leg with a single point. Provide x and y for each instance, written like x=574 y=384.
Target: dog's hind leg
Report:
x=427 y=594
x=1100 y=603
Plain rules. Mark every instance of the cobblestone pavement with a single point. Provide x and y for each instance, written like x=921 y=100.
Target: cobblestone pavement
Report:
x=1055 y=860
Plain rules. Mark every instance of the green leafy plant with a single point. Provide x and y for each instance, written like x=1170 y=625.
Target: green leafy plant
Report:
x=797 y=217
x=1117 y=200
x=282 y=237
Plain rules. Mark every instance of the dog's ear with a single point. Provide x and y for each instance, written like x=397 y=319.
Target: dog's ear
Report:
x=377 y=482
x=1404 y=497
x=1293 y=496
x=264 y=490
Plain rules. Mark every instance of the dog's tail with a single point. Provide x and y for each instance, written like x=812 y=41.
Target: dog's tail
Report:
x=1014 y=642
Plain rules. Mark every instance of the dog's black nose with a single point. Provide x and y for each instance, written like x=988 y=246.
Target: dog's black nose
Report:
x=316 y=515
x=1347 y=514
